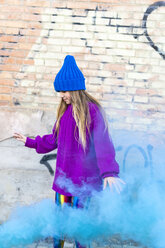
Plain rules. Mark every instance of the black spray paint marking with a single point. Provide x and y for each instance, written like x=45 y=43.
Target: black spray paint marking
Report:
x=149 y=10
x=147 y=162
x=131 y=28
x=16 y=102
x=45 y=160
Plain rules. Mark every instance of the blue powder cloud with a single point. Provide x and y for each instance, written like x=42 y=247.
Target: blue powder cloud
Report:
x=137 y=213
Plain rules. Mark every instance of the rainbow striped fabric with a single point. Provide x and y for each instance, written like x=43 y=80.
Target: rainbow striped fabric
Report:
x=72 y=201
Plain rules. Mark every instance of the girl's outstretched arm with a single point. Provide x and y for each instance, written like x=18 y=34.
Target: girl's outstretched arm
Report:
x=20 y=137
x=43 y=144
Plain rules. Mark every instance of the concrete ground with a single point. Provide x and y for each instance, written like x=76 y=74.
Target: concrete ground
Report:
x=113 y=243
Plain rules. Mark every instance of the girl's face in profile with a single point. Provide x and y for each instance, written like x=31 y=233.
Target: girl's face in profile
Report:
x=66 y=96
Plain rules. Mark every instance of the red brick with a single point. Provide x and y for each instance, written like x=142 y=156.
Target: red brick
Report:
x=6 y=82
x=5 y=97
x=18 y=54
x=140 y=91
x=5 y=90
x=114 y=67
x=4 y=103
x=19 y=90
x=81 y=5
x=9 y=67
x=36 y=3
x=5 y=75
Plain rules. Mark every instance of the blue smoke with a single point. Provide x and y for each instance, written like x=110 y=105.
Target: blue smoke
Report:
x=137 y=213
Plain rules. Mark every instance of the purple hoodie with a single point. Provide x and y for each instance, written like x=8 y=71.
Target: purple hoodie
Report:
x=79 y=172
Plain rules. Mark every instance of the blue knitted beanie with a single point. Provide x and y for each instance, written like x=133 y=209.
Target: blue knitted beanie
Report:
x=69 y=77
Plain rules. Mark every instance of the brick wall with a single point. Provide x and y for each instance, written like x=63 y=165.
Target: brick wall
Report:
x=119 y=46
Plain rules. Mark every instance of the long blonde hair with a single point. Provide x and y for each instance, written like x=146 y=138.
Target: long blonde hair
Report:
x=79 y=101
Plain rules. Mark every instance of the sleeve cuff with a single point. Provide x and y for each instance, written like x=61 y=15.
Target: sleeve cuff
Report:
x=31 y=143
x=109 y=174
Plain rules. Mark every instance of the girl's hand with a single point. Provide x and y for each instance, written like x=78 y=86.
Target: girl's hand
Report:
x=113 y=181
x=20 y=137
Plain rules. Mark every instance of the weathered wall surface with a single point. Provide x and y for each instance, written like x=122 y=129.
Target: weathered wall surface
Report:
x=119 y=45
x=120 y=48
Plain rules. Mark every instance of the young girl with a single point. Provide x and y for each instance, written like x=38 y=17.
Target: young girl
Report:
x=85 y=152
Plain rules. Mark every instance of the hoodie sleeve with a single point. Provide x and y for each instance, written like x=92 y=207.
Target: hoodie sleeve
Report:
x=44 y=144
x=104 y=148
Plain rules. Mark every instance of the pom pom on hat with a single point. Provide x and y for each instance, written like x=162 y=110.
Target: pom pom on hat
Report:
x=69 y=77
